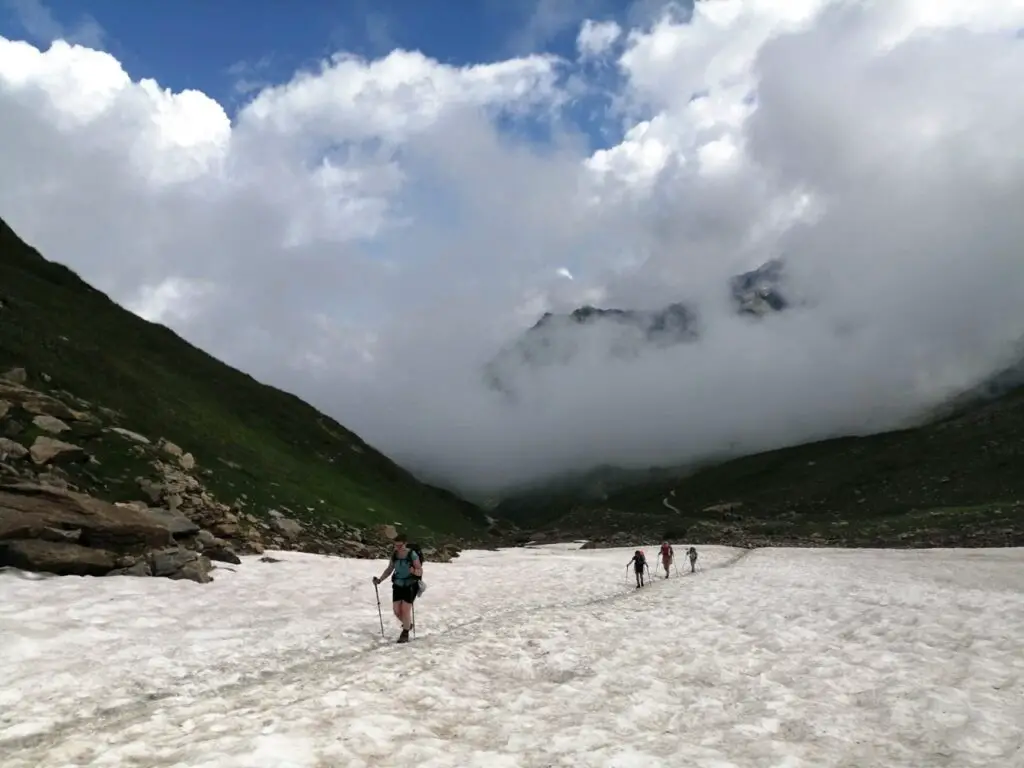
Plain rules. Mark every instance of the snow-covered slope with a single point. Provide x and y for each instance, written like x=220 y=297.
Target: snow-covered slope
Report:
x=529 y=657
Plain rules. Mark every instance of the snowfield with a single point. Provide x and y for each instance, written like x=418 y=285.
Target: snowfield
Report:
x=528 y=657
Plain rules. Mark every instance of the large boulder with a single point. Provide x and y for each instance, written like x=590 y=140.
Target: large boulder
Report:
x=26 y=507
x=63 y=558
x=67 y=533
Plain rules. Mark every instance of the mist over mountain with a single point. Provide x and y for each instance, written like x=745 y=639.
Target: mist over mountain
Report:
x=555 y=339
x=381 y=234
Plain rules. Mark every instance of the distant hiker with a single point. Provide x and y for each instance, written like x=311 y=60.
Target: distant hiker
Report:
x=406 y=568
x=639 y=562
x=667 y=556
x=692 y=554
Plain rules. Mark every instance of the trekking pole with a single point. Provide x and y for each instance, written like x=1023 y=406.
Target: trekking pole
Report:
x=379 y=614
x=413 y=606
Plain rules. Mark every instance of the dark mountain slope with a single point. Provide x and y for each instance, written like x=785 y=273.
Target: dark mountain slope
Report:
x=957 y=481
x=255 y=444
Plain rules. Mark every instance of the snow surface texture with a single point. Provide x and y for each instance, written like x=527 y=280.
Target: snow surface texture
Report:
x=528 y=657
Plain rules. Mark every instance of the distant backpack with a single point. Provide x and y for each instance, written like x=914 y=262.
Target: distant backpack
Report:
x=692 y=552
x=666 y=552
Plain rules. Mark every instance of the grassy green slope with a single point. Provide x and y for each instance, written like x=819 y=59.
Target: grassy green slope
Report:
x=259 y=441
x=955 y=481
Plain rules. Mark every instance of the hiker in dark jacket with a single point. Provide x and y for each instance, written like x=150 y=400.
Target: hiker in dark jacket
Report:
x=692 y=554
x=639 y=562
x=406 y=571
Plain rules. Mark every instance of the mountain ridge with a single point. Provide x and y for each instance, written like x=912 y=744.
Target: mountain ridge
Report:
x=262 y=447
x=551 y=339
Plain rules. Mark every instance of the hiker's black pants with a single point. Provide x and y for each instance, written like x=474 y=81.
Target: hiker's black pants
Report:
x=405 y=593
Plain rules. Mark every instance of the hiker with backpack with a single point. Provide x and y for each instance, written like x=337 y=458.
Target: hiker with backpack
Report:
x=692 y=554
x=667 y=556
x=639 y=562
x=406 y=570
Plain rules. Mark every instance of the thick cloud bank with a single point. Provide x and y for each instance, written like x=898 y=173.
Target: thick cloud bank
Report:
x=368 y=235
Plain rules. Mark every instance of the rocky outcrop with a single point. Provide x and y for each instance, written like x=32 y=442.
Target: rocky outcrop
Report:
x=60 y=455
x=72 y=534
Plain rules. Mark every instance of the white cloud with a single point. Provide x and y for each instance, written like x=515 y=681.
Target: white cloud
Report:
x=171 y=302
x=597 y=37
x=40 y=24
x=366 y=235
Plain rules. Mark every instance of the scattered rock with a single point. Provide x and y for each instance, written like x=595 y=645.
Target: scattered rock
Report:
x=187 y=461
x=175 y=522
x=388 y=532
x=47 y=449
x=217 y=549
x=195 y=570
x=728 y=507
x=153 y=490
x=134 y=436
x=223 y=554
x=171 y=560
x=4 y=408
x=16 y=376
x=269 y=559
x=286 y=527
x=206 y=539
x=352 y=548
x=43 y=405
x=225 y=528
x=9 y=449
x=51 y=479
x=140 y=568
x=168 y=447
x=50 y=424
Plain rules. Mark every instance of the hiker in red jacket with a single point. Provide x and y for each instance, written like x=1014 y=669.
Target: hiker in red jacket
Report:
x=667 y=556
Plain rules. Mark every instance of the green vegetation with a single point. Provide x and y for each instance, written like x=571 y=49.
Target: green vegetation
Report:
x=956 y=481
x=251 y=440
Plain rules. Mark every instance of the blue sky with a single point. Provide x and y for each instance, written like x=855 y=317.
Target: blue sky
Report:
x=228 y=46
